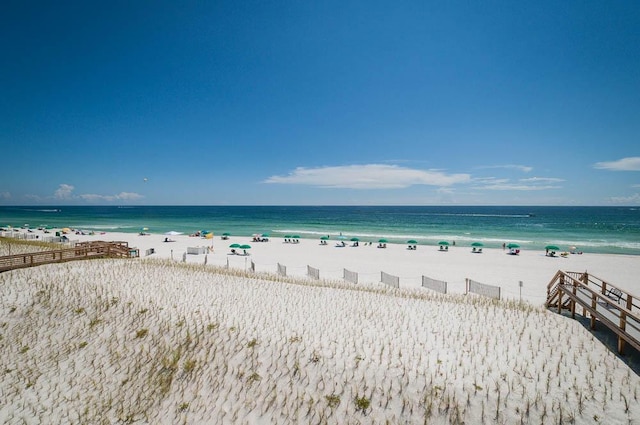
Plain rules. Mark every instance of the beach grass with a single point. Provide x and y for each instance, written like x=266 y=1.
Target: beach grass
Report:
x=132 y=341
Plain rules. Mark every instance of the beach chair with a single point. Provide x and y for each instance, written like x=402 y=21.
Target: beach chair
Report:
x=615 y=294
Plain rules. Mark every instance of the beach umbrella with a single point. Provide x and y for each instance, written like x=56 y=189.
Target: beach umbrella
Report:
x=477 y=244
x=245 y=247
x=382 y=241
x=265 y=235
x=552 y=248
x=295 y=237
x=226 y=234
x=234 y=245
x=513 y=245
x=412 y=242
x=443 y=243
x=355 y=239
x=324 y=238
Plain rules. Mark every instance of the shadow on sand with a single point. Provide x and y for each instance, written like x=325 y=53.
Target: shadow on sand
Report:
x=609 y=339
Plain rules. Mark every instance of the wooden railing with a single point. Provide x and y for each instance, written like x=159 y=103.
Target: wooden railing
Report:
x=82 y=251
x=614 y=307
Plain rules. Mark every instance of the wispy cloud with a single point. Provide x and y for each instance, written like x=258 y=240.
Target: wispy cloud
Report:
x=65 y=192
x=5 y=195
x=370 y=176
x=122 y=196
x=626 y=200
x=523 y=168
x=541 y=180
x=625 y=164
x=528 y=184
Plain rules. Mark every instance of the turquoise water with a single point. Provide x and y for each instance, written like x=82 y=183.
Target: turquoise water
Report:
x=613 y=230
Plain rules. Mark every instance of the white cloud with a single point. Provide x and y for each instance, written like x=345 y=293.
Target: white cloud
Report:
x=528 y=184
x=520 y=187
x=626 y=200
x=5 y=195
x=624 y=164
x=370 y=176
x=541 y=180
x=523 y=168
x=122 y=196
x=64 y=192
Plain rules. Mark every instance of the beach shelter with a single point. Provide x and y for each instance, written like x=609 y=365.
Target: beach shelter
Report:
x=477 y=247
x=412 y=242
x=552 y=248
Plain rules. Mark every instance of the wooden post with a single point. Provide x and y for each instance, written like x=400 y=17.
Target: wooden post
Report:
x=585 y=282
x=594 y=304
x=559 y=300
x=573 y=300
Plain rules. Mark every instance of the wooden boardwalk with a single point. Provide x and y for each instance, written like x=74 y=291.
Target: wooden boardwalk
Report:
x=601 y=301
x=81 y=251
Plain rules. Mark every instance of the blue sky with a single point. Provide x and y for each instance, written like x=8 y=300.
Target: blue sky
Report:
x=327 y=103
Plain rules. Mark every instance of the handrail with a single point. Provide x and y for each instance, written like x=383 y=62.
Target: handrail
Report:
x=597 y=292
x=82 y=250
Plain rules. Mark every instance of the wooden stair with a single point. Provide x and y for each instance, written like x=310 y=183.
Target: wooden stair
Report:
x=600 y=301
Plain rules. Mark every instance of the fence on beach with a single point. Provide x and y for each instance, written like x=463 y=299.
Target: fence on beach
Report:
x=483 y=289
x=434 y=285
x=313 y=273
x=389 y=279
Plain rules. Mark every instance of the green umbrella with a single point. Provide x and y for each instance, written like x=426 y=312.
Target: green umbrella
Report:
x=245 y=246
x=287 y=236
x=477 y=244
x=443 y=243
x=226 y=234
x=265 y=235
x=295 y=237
x=234 y=245
x=412 y=242
x=354 y=239
x=382 y=241
x=552 y=248
x=513 y=245
x=324 y=238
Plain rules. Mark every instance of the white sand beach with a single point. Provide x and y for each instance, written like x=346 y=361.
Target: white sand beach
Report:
x=152 y=340
x=493 y=266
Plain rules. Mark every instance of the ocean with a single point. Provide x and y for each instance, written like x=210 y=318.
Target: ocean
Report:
x=613 y=230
